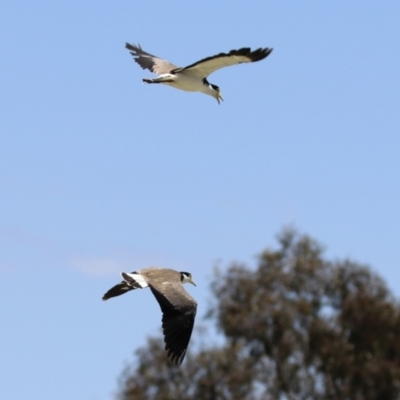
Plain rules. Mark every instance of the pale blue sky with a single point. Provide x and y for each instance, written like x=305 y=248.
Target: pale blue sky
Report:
x=100 y=173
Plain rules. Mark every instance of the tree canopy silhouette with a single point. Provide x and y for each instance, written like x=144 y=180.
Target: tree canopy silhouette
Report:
x=297 y=326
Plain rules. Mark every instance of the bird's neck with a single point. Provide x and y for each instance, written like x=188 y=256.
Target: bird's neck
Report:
x=207 y=89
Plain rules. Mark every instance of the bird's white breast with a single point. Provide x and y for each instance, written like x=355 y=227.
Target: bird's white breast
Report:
x=188 y=83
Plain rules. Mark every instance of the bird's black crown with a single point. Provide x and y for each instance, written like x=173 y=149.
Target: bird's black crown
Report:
x=183 y=273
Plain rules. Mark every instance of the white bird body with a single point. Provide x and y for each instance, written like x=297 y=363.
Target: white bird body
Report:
x=185 y=82
x=193 y=78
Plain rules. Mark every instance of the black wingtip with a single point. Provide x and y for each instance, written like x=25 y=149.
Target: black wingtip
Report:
x=260 y=54
x=132 y=47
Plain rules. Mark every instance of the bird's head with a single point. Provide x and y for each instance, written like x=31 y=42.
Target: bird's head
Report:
x=186 y=277
x=216 y=92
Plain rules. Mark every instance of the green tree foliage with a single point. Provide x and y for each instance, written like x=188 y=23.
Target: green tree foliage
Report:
x=296 y=327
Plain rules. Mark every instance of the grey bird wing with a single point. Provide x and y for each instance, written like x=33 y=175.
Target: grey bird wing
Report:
x=179 y=312
x=117 y=290
x=208 y=65
x=148 y=61
x=121 y=288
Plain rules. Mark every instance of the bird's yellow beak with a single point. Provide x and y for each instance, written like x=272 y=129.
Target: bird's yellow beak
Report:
x=192 y=282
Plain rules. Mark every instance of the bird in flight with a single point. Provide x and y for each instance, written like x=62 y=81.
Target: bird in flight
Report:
x=193 y=78
x=177 y=306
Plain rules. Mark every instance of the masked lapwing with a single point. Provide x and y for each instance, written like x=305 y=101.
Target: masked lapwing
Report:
x=177 y=306
x=193 y=78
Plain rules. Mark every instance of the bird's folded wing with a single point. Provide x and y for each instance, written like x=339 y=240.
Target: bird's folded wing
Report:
x=208 y=65
x=148 y=61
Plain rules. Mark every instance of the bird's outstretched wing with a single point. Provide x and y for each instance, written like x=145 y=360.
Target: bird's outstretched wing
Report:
x=148 y=61
x=117 y=290
x=126 y=285
x=208 y=65
x=179 y=312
